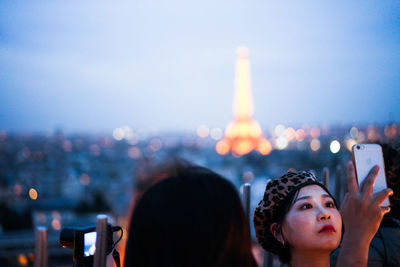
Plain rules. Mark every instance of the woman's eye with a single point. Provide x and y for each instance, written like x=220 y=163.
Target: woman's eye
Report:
x=330 y=204
x=305 y=206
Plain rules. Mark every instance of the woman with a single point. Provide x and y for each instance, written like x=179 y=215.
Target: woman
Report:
x=298 y=220
x=193 y=217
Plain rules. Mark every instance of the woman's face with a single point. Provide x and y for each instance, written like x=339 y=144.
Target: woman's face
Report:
x=313 y=222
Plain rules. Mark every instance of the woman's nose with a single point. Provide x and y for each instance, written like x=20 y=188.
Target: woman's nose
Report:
x=324 y=215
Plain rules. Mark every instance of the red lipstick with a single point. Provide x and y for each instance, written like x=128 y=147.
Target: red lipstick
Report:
x=327 y=229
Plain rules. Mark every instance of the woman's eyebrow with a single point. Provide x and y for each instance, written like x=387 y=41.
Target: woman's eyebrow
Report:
x=307 y=197
x=304 y=197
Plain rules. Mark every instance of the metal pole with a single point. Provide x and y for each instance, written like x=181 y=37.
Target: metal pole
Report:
x=325 y=176
x=246 y=199
x=338 y=184
x=268 y=259
x=101 y=241
x=40 y=247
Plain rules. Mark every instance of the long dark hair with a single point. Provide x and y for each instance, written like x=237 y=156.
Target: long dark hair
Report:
x=193 y=218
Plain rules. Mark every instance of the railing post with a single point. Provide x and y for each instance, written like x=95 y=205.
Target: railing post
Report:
x=41 y=256
x=268 y=259
x=338 y=184
x=101 y=241
x=246 y=199
x=325 y=176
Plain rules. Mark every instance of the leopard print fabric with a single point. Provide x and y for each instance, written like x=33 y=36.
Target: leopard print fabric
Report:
x=275 y=192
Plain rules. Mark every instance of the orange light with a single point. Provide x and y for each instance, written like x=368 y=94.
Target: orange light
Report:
x=242 y=147
x=300 y=135
x=265 y=147
x=222 y=147
x=290 y=133
x=22 y=260
x=33 y=194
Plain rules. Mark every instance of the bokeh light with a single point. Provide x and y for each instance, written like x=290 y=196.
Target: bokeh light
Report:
x=354 y=132
x=56 y=224
x=22 y=260
x=247 y=176
x=67 y=145
x=134 y=152
x=118 y=134
x=315 y=144
x=203 y=131
x=279 y=130
x=155 y=144
x=95 y=150
x=334 y=146
x=222 y=147
x=300 y=135
x=33 y=194
x=390 y=131
x=132 y=138
x=290 y=133
x=350 y=143
x=17 y=189
x=264 y=147
x=216 y=133
x=315 y=132
x=84 y=179
x=281 y=142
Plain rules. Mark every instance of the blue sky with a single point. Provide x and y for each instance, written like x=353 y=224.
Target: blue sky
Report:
x=97 y=65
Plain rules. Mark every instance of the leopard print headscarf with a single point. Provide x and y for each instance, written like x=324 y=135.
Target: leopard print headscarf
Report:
x=275 y=192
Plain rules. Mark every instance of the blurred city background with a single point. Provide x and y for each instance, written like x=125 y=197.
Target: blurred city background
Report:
x=94 y=97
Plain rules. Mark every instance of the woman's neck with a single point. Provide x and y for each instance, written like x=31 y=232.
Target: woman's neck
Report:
x=309 y=258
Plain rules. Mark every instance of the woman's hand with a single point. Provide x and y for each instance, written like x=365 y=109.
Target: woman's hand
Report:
x=362 y=214
x=361 y=211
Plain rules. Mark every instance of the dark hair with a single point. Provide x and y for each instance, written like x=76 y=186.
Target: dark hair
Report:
x=191 y=218
x=391 y=155
x=276 y=247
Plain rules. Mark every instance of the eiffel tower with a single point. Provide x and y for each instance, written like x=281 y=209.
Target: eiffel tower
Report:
x=243 y=134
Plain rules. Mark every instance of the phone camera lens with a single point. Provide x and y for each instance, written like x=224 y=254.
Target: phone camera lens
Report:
x=358 y=147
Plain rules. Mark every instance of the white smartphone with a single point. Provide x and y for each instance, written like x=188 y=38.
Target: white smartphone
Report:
x=366 y=156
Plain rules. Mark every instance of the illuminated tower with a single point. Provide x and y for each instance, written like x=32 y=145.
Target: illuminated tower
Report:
x=243 y=134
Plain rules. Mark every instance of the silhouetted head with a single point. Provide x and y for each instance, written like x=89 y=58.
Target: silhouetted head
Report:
x=193 y=217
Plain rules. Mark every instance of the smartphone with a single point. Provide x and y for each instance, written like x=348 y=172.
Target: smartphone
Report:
x=366 y=156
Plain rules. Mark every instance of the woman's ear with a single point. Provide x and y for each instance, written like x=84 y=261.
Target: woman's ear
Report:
x=276 y=230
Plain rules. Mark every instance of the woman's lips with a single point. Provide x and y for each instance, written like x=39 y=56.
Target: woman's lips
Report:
x=327 y=229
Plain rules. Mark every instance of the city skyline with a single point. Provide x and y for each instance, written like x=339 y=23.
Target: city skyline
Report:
x=90 y=67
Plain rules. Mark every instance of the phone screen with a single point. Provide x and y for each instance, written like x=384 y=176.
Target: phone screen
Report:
x=89 y=244
x=365 y=157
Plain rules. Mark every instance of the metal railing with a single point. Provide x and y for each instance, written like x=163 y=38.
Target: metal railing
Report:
x=270 y=260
